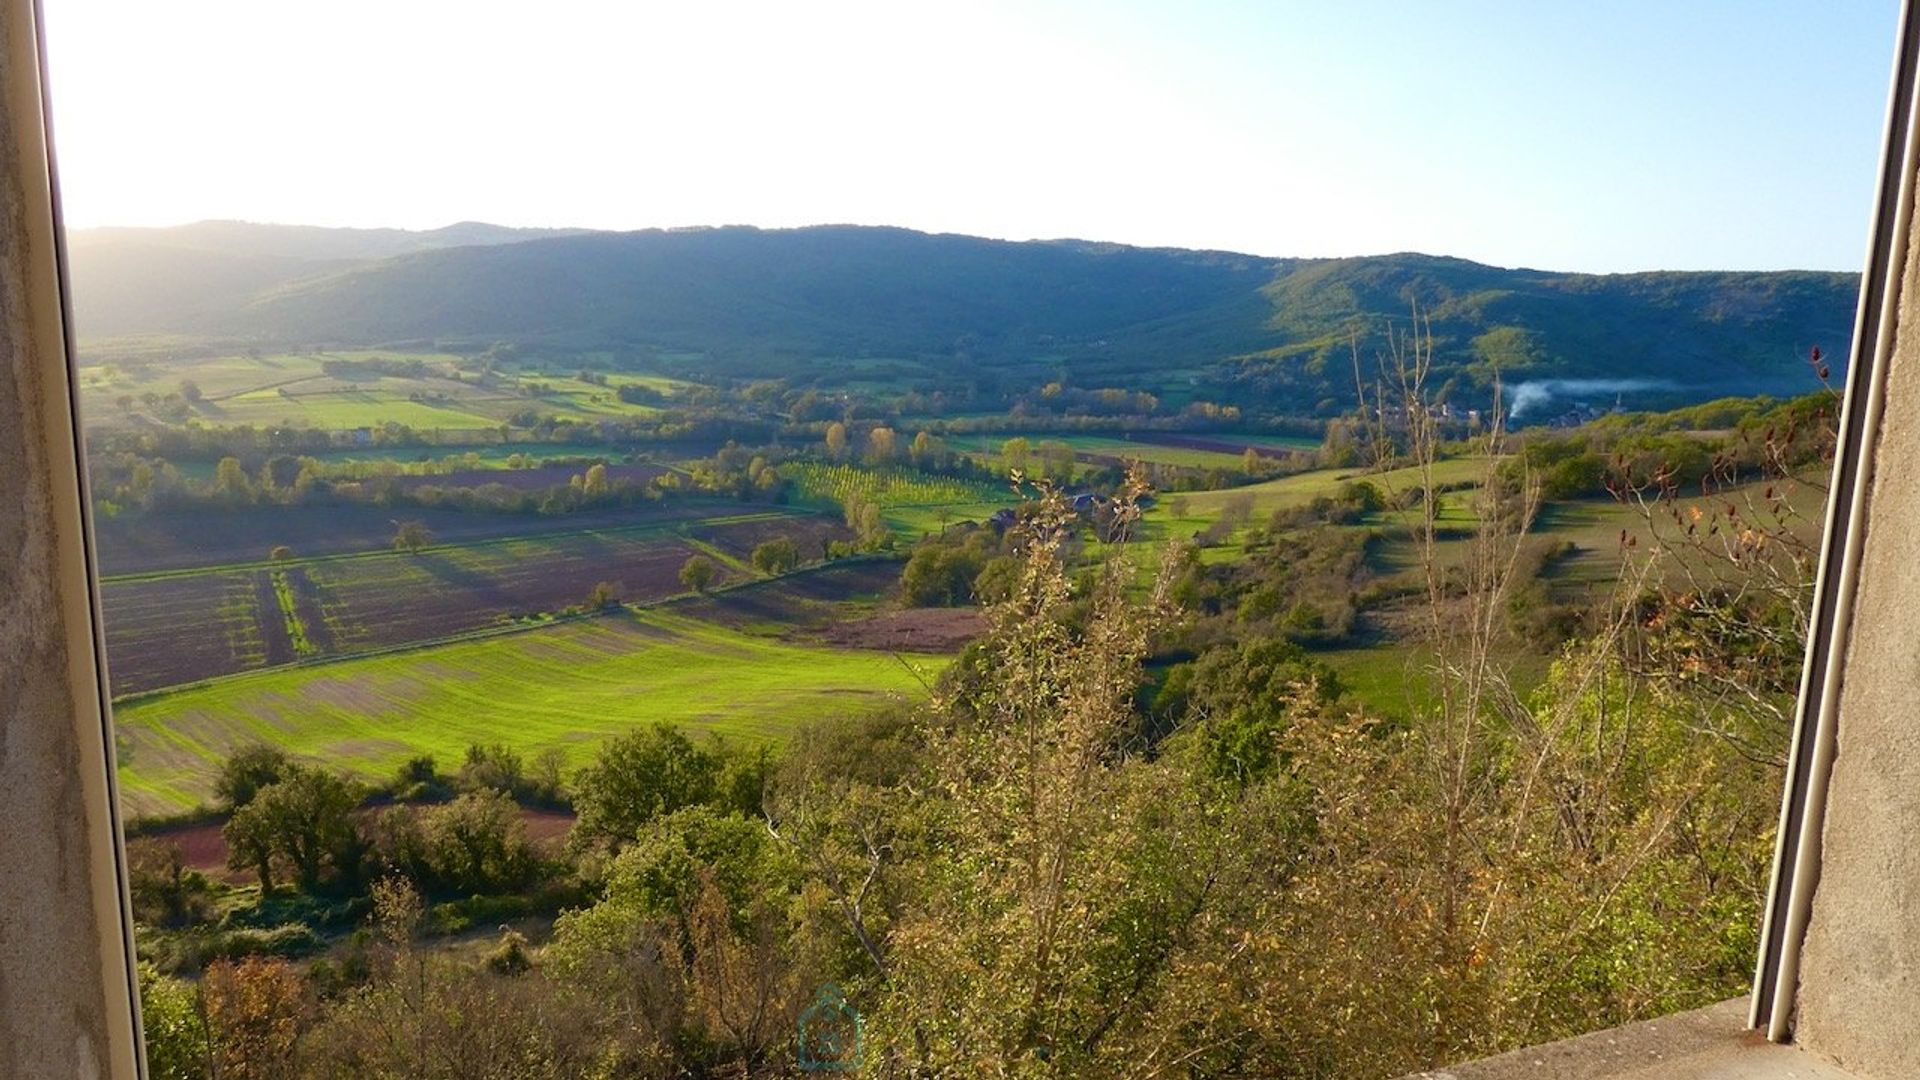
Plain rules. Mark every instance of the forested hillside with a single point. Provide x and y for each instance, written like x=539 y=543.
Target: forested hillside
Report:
x=993 y=315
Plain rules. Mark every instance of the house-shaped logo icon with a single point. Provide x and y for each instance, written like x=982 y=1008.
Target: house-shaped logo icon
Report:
x=829 y=1033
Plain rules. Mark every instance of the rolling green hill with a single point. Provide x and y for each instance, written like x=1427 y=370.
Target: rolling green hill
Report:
x=989 y=315
x=131 y=281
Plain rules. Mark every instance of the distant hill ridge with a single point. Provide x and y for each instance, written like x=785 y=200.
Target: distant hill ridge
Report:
x=748 y=302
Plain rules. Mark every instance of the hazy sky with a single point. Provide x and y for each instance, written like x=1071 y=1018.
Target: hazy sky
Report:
x=1564 y=134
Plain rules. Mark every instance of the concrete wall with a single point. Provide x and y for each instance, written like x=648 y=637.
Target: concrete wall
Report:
x=65 y=1007
x=1705 y=1044
x=1858 y=1000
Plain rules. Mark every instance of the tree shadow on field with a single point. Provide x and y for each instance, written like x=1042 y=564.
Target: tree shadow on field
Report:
x=473 y=583
x=630 y=621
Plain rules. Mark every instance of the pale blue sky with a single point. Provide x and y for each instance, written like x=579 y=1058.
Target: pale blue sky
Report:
x=1558 y=134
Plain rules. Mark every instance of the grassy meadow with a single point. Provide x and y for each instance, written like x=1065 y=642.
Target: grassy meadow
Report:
x=565 y=686
x=295 y=390
x=910 y=501
x=1215 y=450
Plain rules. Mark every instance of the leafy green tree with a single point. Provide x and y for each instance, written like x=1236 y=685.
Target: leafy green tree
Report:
x=418 y=780
x=477 y=844
x=997 y=579
x=174 y=1030
x=925 y=450
x=659 y=873
x=637 y=777
x=546 y=779
x=1056 y=459
x=744 y=775
x=230 y=481
x=776 y=556
x=596 y=480
x=494 y=767
x=1362 y=495
x=411 y=536
x=247 y=770
x=164 y=892
x=251 y=843
x=604 y=596
x=940 y=575
x=698 y=573
x=1234 y=704
x=281 y=472
x=307 y=820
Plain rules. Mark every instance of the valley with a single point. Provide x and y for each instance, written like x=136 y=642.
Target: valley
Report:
x=730 y=568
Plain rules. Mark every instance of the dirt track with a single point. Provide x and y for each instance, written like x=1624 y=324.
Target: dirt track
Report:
x=203 y=848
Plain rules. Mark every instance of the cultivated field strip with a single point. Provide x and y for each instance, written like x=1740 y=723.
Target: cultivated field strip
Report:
x=184 y=542
x=168 y=632
x=565 y=685
x=173 y=628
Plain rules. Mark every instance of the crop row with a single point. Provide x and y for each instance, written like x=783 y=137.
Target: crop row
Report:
x=886 y=486
x=163 y=631
x=562 y=687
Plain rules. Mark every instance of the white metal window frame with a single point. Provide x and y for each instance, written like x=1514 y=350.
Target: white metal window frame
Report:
x=1797 y=849
x=41 y=333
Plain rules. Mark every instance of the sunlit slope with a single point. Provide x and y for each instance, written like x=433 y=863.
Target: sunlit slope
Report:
x=566 y=686
x=1273 y=334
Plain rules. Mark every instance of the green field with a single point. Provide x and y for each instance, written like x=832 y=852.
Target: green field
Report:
x=909 y=500
x=418 y=461
x=566 y=686
x=1397 y=679
x=1289 y=491
x=987 y=448
x=293 y=390
x=1184 y=514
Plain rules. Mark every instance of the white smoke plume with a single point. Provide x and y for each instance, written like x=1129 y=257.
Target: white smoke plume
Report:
x=1535 y=396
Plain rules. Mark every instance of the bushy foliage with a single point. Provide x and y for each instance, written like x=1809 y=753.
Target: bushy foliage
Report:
x=1061 y=869
x=246 y=771
x=654 y=771
x=698 y=573
x=1235 y=702
x=305 y=823
x=255 y=1011
x=474 y=845
x=776 y=556
x=165 y=893
x=942 y=570
x=174 y=1029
